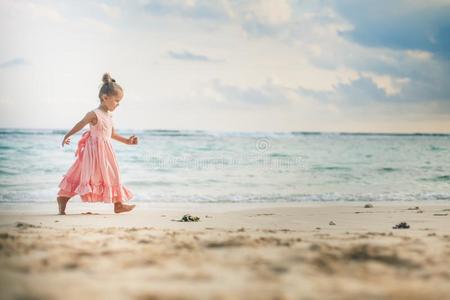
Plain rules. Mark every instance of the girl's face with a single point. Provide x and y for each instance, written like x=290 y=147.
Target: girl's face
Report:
x=111 y=102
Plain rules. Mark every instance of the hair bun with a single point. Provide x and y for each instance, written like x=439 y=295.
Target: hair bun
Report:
x=109 y=86
x=107 y=78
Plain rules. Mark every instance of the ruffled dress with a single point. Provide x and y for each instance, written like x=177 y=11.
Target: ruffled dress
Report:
x=94 y=175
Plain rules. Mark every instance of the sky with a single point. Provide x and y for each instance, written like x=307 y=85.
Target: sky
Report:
x=229 y=65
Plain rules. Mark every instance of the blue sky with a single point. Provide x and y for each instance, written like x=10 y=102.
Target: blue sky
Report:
x=278 y=65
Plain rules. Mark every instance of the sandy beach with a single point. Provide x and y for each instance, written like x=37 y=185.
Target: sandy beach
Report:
x=271 y=251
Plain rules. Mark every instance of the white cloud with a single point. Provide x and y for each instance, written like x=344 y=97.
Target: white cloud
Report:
x=111 y=11
x=274 y=12
x=389 y=84
x=44 y=11
x=190 y=2
x=94 y=24
x=419 y=54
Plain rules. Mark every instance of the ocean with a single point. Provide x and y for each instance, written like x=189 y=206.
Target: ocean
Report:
x=172 y=166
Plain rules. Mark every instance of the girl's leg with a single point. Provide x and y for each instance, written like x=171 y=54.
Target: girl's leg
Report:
x=62 y=201
x=120 y=208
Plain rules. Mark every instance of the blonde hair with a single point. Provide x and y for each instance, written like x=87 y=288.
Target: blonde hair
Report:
x=109 y=86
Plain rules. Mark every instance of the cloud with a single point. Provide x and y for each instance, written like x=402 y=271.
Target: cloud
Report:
x=404 y=25
x=268 y=94
x=368 y=91
x=13 y=63
x=358 y=92
x=262 y=17
x=272 y=11
x=186 y=55
x=257 y=17
x=111 y=11
x=418 y=54
x=44 y=11
x=390 y=85
x=90 y=24
x=200 y=10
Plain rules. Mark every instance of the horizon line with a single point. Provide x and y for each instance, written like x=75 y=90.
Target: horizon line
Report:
x=253 y=131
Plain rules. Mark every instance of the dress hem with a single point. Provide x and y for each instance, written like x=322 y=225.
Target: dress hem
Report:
x=95 y=192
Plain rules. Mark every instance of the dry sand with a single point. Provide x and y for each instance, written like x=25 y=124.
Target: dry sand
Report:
x=275 y=251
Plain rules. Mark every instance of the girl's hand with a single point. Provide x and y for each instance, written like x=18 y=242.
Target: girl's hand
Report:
x=66 y=141
x=132 y=140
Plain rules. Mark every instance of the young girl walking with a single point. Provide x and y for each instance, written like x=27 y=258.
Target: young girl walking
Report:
x=95 y=173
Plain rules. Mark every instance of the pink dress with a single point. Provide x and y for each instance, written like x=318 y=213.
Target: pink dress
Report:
x=95 y=173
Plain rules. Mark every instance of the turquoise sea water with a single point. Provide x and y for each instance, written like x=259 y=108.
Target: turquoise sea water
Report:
x=202 y=166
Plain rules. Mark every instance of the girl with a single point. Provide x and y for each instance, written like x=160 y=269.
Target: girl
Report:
x=95 y=174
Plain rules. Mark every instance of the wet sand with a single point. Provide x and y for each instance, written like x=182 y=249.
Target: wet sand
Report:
x=272 y=251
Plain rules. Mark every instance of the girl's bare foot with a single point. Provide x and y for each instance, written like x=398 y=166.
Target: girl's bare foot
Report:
x=120 y=208
x=62 y=202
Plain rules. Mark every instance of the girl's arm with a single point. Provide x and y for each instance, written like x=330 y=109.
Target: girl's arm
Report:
x=132 y=140
x=88 y=118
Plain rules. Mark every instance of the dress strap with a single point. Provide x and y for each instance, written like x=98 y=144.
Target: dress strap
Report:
x=99 y=116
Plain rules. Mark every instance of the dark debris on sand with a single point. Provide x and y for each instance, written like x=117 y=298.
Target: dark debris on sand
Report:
x=26 y=225
x=414 y=208
x=402 y=225
x=188 y=218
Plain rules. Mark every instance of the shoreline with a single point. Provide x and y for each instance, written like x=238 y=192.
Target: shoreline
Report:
x=77 y=205
x=306 y=215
